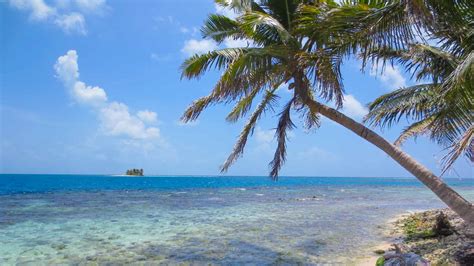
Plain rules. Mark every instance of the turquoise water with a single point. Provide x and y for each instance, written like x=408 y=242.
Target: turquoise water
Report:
x=73 y=219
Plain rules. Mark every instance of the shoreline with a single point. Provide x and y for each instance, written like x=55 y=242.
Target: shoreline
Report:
x=413 y=232
x=385 y=229
x=232 y=222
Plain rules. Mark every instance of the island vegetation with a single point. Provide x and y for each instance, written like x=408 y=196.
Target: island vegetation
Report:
x=134 y=172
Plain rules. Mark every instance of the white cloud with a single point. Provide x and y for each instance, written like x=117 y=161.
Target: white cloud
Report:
x=91 y=5
x=62 y=4
x=88 y=94
x=171 y=22
x=225 y=10
x=115 y=117
x=66 y=67
x=116 y=120
x=72 y=23
x=264 y=136
x=353 y=108
x=67 y=70
x=391 y=77
x=38 y=9
x=194 y=46
x=231 y=43
x=67 y=16
x=148 y=116
x=188 y=124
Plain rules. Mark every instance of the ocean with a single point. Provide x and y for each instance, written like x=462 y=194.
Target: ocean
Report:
x=98 y=219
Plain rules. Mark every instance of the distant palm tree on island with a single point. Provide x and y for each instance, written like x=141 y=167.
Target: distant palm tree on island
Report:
x=302 y=44
x=135 y=172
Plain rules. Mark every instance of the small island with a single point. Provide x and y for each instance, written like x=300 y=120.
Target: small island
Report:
x=134 y=172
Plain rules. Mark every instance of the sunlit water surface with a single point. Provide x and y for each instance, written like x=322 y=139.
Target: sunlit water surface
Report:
x=59 y=219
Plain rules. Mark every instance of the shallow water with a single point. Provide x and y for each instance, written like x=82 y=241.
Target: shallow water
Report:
x=234 y=220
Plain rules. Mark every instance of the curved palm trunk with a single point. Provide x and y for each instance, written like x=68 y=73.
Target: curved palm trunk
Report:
x=456 y=202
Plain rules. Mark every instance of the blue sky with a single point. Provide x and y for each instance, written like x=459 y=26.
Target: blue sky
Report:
x=93 y=87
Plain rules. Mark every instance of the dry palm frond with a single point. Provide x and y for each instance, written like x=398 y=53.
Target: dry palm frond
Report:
x=268 y=99
x=284 y=125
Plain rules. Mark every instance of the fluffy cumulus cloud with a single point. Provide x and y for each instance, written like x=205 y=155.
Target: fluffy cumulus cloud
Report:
x=66 y=67
x=148 y=116
x=67 y=70
x=88 y=94
x=353 y=108
x=193 y=46
x=391 y=77
x=66 y=14
x=115 y=118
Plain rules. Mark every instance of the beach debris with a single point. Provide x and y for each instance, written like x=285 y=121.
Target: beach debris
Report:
x=379 y=251
x=403 y=259
x=308 y=198
x=442 y=226
x=439 y=236
x=465 y=255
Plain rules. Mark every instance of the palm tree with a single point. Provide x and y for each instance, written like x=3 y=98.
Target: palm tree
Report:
x=280 y=51
x=442 y=112
x=396 y=31
x=441 y=108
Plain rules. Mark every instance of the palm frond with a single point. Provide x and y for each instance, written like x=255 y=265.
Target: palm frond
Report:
x=413 y=102
x=240 y=6
x=451 y=120
x=268 y=100
x=465 y=145
x=194 y=110
x=427 y=61
x=242 y=107
x=311 y=119
x=325 y=68
x=256 y=67
x=219 y=27
x=198 y=64
x=415 y=129
x=462 y=76
x=284 y=125
x=264 y=29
